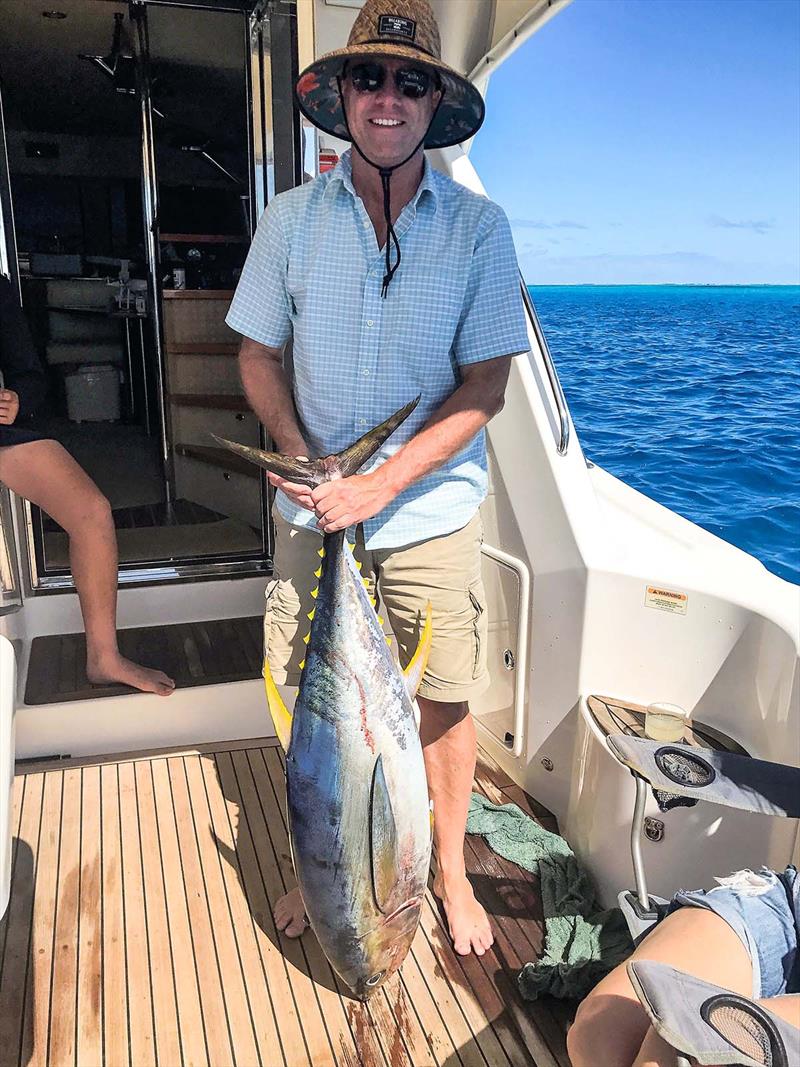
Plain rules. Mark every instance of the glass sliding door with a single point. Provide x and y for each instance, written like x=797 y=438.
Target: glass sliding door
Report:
x=133 y=173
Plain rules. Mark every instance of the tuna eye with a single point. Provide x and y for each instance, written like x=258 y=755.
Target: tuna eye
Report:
x=373 y=981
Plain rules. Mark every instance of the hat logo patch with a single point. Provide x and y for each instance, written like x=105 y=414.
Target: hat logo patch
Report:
x=396 y=26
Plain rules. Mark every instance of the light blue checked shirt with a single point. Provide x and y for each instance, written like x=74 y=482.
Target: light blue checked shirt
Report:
x=314 y=273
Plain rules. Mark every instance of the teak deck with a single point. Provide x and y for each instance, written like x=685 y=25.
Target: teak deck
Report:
x=139 y=932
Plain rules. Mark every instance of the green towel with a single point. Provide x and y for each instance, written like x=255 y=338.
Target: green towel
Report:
x=582 y=942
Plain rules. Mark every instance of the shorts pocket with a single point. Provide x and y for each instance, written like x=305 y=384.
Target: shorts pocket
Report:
x=269 y=601
x=476 y=594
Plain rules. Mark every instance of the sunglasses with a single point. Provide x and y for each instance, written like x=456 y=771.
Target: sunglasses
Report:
x=370 y=77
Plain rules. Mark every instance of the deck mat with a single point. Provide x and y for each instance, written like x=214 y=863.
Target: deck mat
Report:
x=193 y=653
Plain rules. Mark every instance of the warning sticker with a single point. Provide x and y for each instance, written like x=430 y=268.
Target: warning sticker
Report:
x=666 y=600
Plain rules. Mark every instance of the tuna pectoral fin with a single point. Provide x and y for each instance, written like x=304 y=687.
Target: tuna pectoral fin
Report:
x=419 y=661
x=383 y=841
x=281 y=716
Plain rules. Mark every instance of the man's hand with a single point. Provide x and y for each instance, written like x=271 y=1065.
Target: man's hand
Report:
x=298 y=494
x=349 y=501
x=9 y=407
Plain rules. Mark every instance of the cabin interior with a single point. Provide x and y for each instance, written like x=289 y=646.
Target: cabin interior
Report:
x=140 y=364
x=139 y=144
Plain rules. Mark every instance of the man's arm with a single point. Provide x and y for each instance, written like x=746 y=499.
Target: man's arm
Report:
x=267 y=389
x=467 y=410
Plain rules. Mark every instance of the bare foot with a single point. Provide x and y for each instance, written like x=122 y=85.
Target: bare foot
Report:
x=468 y=922
x=290 y=914
x=118 y=669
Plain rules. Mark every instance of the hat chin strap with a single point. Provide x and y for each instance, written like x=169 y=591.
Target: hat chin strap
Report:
x=386 y=177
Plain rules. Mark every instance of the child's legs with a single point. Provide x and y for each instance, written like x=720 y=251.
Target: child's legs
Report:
x=45 y=473
x=611 y=1024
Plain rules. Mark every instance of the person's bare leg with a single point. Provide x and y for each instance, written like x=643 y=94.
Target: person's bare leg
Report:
x=787 y=1006
x=655 y=1052
x=611 y=1024
x=449 y=747
x=44 y=473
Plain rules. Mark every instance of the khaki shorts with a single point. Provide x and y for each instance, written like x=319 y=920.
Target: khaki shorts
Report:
x=443 y=570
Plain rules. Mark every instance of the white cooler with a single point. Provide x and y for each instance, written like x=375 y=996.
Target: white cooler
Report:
x=93 y=394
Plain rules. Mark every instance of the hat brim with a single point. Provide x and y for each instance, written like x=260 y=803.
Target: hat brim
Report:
x=459 y=117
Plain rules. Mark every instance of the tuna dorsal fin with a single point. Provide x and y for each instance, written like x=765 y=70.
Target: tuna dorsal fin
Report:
x=419 y=661
x=383 y=840
x=281 y=716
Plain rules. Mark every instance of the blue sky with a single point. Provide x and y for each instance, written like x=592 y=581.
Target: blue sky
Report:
x=647 y=141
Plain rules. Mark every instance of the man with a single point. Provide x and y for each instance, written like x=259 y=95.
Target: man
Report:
x=370 y=334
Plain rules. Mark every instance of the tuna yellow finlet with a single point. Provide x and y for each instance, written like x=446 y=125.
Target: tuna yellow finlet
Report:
x=311 y=613
x=318 y=572
x=321 y=553
x=315 y=592
x=307 y=638
x=301 y=664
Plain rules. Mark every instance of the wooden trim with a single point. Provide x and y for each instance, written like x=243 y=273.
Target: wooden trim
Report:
x=216 y=348
x=197 y=294
x=219 y=457
x=37 y=766
x=215 y=401
x=203 y=239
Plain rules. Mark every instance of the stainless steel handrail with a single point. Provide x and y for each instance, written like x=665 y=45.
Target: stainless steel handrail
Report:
x=552 y=374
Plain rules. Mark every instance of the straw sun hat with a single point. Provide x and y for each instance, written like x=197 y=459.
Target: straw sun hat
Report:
x=394 y=29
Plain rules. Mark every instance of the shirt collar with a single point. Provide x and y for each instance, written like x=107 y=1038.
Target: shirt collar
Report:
x=342 y=176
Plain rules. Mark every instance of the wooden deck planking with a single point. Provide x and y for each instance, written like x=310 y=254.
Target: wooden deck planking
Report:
x=63 y=982
x=148 y=937
x=166 y=1029
x=187 y=991
x=18 y=921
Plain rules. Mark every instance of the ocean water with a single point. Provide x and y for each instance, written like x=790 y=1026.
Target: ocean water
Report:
x=691 y=394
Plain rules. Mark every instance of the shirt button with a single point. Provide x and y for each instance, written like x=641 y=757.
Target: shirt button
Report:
x=365 y=372
x=362 y=422
x=370 y=322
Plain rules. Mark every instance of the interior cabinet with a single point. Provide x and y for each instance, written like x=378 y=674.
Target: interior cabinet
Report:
x=204 y=397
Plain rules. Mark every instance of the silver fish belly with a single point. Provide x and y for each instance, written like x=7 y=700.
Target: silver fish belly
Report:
x=357 y=793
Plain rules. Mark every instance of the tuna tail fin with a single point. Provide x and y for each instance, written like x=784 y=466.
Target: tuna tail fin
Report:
x=413 y=673
x=281 y=716
x=315 y=471
x=354 y=457
x=305 y=471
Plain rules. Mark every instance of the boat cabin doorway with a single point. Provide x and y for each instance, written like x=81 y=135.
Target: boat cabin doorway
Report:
x=140 y=148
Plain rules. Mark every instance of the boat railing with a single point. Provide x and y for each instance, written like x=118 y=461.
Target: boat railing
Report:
x=552 y=374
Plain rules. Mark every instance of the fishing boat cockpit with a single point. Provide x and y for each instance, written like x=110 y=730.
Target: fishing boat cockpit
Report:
x=143 y=842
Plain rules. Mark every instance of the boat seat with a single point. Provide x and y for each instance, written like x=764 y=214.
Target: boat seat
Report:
x=57 y=354
x=697 y=773
x=711 y=1024
x=715 y=776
